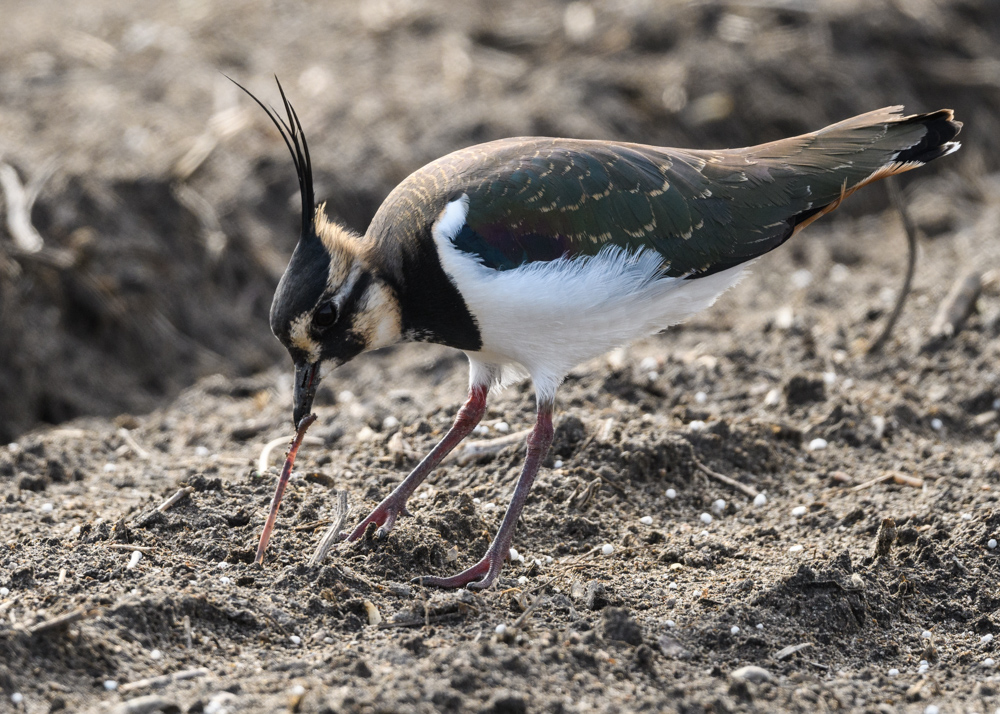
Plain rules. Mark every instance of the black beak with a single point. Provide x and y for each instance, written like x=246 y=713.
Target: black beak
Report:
x=306 y=381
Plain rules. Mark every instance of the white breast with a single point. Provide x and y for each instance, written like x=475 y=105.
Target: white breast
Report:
x=550 y=316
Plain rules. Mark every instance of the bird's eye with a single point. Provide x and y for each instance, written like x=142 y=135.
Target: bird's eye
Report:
x=325 y=315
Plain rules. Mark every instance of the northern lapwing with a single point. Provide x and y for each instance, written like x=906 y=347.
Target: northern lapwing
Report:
x=534 y=254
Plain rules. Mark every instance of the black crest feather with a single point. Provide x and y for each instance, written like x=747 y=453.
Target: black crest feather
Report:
x=295 y=139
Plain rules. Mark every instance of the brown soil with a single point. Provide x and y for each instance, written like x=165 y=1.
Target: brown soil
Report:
x=143 y=287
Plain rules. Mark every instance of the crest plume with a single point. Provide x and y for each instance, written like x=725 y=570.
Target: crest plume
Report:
x=295 y=139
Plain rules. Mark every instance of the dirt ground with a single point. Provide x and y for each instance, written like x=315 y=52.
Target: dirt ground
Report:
x=167 y=217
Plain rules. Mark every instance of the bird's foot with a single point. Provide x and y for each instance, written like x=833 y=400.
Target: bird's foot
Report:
x=384 y=516
x=479 y=577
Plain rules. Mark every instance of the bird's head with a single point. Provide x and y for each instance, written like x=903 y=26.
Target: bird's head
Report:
x=331 y=303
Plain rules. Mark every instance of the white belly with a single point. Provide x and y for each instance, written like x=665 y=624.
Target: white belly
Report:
x=550 y=316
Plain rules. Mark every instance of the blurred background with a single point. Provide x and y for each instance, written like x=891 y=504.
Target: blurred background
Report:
x=149 y=207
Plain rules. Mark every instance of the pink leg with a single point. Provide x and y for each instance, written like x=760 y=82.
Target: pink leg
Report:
x=483 y=574
x=385 y=513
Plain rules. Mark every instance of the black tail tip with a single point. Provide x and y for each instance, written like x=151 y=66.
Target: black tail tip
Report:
x=941 y=128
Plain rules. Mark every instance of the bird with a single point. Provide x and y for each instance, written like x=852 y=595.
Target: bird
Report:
x=534 y=254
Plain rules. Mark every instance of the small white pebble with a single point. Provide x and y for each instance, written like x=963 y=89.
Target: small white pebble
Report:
x=557 y=464
x=477 y=501
x=893 y=672
x=991 y=543
x=696 y=425
x=799 y=511
x=225 y=580
x=772 y=398
x=652 y=376
x=648 y=364
x=523 y=580
x=926 y=634
x=502 y=426
x=922 y=669
x=924 y=663
x=328 y=640
x=548 y=560
x=4 y=592
x=155 y=654
x=607 y=549
x=424 y=494
x=298 y=690
x=734 y=630
x=670 y=623
x=704 y=534
x=390 y=422
x=47 y=508
x=986 y=638
x=989 y=662
x=481 y=430
x=17 y=697
x=134 y=560
x=796 y=549
x=700 y=397
x=672 y=586
x=718 y=506
x=109 y=467
x=646 y=520
x=295 y=640
x=966 y=516
x=760 y=499
x=829 y=378
x=489 y=506
x=937 y=424
x=760 y=626
x=514 y=555
x=110 y=684
x=345 y=397
x=222 y=565
x=671 y=494
x=201 y=451
x=801 y=278
x=706 y=518
x=75 y=531
x=500 y=629
x=818 y=444
x=538 y=562
x=932 y=709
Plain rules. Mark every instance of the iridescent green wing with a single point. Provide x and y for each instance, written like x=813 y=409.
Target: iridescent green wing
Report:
x=702 y=211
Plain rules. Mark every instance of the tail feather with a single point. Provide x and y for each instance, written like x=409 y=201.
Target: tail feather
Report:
x=940 y=128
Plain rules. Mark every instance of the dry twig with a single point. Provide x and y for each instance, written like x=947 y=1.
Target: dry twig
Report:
x=62 y=621
x=956 y=308
x=332 y=535
x=173 y=500
x=896 y=196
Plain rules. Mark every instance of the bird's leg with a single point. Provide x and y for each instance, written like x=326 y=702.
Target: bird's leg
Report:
x=385 y=513
x=483 y=574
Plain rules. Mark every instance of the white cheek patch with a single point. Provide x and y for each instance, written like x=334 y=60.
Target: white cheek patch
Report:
x=298 y=332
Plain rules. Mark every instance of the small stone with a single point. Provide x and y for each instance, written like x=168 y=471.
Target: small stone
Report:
x=799 y=511
x=4 y=592
x=597 y=595
x=705 y=518
x=718 y=506
x=500 y=629
x=893 y=672
x=648 y=364
x=646 y=520
x=700 y=397
x=932 y=709
x=489 y=506
x=670 y=623
x=991 y=543
x=558 y=464
x=514 y=555
x=17 y=697
x=522 y=581
x=989 y=662
x=225 y=580
x=696 y=425
x=922 y=669
x=155 y=654
x=295 y=640
x=110 y=685
x=201 y=451
x=671 y=494
x=760 y=499
x=751 y=673
x=772 y=398
x=47 y=508
x=966 y=516
x=760 y=626
x=796 y=549
x=502 y=426
x=390 y=422
x=926 y=634
x=607 y=549
x=817 y=444
x=134 y=560
x=937 y=424
x=734 y=630
x=986 y=638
